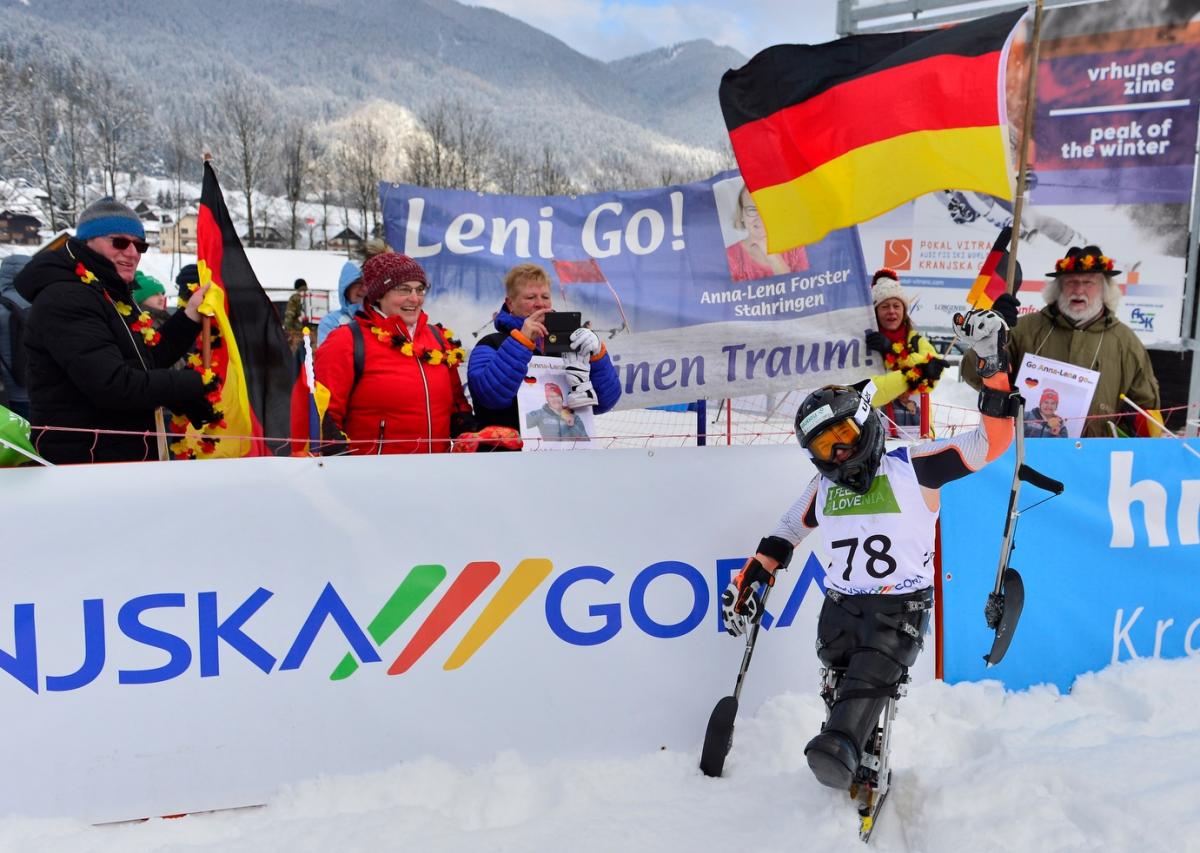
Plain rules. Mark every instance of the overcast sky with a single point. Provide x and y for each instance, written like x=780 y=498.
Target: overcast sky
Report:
x=611 y=29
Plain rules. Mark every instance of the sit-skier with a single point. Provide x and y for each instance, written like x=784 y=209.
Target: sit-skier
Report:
x=877 y=512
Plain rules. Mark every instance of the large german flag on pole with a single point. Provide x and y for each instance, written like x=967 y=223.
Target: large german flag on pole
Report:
x=834 y=134
x=249 y=353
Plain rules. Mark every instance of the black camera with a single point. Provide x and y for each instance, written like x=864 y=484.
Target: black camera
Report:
x=559 y=326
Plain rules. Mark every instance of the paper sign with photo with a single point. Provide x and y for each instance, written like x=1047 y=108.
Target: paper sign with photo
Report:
x=546 y=424
x=1057 y=397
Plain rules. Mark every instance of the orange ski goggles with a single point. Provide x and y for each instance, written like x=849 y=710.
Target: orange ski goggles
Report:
x=844 y=433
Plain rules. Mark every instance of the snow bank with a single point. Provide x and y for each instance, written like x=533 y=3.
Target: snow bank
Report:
x=1109 y=766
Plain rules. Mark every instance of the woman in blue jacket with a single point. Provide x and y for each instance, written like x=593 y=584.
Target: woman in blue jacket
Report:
x=500 y=361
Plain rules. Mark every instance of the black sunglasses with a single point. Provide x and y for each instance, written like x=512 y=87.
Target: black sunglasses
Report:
x=123 y=243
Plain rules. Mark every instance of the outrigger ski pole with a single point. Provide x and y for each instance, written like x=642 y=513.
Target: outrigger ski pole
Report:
x=1007 y=598
x=718 y=737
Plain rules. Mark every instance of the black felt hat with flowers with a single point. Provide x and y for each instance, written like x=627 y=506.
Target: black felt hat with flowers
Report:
x=1085 y=260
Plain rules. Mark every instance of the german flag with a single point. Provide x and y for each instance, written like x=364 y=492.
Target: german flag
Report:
x=834 y=134
x=993 y=277
x=250 y=355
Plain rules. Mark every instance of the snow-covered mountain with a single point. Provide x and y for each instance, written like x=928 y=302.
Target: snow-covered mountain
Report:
x=321 y=58
x=682 y=82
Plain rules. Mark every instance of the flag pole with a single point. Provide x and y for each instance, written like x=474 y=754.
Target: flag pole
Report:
x=206 y=321
x=1023 y=146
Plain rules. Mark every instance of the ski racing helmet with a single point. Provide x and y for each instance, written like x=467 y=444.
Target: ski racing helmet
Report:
x=837 y=418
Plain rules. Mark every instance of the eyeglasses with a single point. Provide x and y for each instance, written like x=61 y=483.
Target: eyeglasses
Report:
x=824 y=444
x=405 y=290
x=123 y=243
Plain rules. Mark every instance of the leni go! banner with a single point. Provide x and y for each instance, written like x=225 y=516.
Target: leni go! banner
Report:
x=676 y=281
x=1112 y=164
x=314 y=619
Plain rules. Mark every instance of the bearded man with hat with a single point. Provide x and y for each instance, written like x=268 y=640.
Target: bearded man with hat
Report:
x=97 y=367
x=1079 y=326
x=392 y=375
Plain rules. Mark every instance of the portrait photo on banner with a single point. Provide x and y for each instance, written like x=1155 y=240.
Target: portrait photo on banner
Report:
x=745 y=236
x=546 y=422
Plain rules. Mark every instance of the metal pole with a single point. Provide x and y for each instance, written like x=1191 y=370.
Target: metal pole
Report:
x=701 y=423
x=1023 y=147
x=1190 y=326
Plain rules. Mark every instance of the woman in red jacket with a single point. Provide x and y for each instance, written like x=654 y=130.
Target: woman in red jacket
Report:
x=400 y=392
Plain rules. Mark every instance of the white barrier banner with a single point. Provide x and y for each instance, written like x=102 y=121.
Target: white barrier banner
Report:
x=187 y=637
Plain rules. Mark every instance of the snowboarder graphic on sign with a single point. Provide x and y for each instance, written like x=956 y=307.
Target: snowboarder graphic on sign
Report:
x=877 y=511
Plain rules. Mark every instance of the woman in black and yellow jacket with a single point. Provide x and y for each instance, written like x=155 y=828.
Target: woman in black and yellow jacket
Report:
x=912 y=364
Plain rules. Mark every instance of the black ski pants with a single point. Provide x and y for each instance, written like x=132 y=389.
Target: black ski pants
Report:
x=875 y=639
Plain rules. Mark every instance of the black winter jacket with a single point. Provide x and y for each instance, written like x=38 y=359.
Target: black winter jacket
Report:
x=88 y=369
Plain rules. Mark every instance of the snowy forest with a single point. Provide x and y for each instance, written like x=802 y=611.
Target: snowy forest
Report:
x=98 y=110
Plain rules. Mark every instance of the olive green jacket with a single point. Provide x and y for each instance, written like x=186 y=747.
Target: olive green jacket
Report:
x=1106 y=345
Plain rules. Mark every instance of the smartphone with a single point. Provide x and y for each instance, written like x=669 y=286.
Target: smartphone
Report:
x=559 y=326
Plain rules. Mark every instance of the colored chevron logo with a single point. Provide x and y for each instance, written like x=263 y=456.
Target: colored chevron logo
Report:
x=421 y=582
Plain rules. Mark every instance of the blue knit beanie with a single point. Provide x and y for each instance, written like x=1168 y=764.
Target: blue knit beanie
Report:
x=108 y=216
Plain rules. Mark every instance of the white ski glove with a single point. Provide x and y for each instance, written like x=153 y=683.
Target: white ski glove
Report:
x=585 y=342
x=741 y=602
x=583 y=397
x=987 y=333
x=579 y=377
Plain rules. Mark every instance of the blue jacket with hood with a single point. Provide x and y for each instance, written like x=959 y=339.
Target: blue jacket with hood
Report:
x=497 y=368
x=345 y=312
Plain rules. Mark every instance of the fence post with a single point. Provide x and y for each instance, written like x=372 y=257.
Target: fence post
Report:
x=701 y=423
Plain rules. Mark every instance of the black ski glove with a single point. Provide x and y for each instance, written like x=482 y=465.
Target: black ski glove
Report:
x=200 y=410
x=934 y=368
x=334 y=442
x=1006 y=306
x=878 y=343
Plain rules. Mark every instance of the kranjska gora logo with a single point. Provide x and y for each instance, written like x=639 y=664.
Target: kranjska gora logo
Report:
x=220 y=627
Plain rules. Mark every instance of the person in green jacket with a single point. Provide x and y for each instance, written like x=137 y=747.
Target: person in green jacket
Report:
x=1079 y=326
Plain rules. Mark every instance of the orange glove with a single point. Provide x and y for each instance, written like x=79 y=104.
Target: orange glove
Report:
x=466 y=442
x=499 y=437
x=488 y=438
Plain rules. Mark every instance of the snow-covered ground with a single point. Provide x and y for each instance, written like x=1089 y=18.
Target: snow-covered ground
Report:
x=1108 y=767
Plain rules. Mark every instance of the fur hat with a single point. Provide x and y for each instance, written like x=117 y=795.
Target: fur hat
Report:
x=1085 y=260
x=391 y=269
x=108 y=216
x=886 y=285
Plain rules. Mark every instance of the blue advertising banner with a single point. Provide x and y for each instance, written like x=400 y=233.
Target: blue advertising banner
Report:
x=1110 y=567
x=675 y=279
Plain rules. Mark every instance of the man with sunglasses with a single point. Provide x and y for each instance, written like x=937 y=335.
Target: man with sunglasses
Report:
x=877 y=511
x=97 y=369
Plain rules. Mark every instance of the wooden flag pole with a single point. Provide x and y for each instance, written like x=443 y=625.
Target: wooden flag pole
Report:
x=206 y=321
x=1023 y=146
